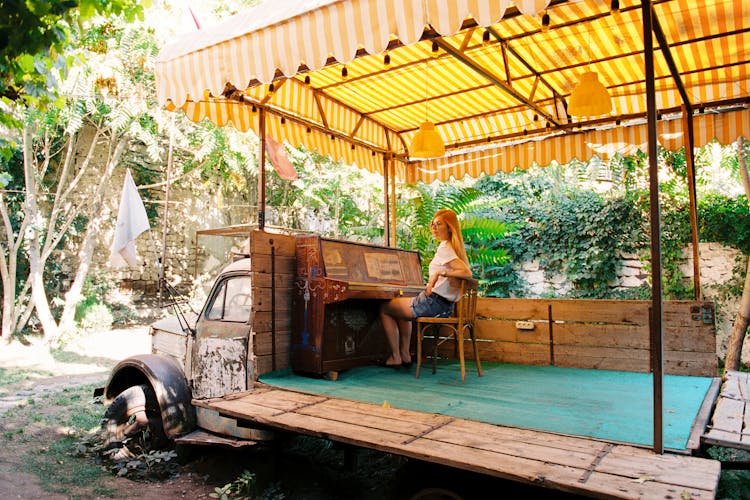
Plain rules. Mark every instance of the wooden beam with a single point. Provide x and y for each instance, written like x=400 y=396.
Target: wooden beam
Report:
x=498 y=82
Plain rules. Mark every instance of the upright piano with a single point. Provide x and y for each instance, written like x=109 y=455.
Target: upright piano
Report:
x=339 y=288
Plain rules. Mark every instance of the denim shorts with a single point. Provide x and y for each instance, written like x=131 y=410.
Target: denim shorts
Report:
x=431 y=306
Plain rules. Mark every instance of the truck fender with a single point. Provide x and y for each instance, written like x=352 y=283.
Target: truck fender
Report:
x=170 y=386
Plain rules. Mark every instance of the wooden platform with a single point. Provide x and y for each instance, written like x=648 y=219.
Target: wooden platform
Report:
x=571 y=464
x=731 y=417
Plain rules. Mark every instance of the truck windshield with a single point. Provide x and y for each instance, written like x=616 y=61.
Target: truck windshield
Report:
x=231 y=301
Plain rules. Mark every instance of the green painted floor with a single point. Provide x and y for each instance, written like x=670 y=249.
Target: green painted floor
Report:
x=609 y=405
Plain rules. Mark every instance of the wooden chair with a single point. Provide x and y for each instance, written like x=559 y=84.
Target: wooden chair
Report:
x=457 y=325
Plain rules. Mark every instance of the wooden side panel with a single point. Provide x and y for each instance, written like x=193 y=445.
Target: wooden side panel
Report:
x=273 y=272
x=510 y=352
x=512 y=309
x=634 y=312
x=262 y=242
x=602 y=334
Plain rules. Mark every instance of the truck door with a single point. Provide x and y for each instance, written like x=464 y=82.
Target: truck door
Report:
x=220 y=356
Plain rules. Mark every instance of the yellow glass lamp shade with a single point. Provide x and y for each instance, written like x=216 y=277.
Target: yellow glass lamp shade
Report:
x=427 y=143
x=590 y=97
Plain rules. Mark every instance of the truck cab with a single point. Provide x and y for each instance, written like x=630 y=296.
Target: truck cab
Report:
x=239 y=334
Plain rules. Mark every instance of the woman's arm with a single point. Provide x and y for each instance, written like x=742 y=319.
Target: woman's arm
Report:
x=458 y=269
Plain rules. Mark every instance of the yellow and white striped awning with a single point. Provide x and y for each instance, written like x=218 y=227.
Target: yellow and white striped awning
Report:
x=355 y=78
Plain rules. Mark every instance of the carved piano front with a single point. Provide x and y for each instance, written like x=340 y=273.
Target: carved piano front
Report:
x=340 y=286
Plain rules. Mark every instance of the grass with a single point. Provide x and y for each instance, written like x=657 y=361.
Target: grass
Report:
x=45 y=433
x=10 y=376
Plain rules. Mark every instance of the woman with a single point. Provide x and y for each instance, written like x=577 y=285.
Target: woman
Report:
x=439 y=296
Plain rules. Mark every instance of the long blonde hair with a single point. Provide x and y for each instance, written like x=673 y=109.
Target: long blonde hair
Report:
x=449 y=217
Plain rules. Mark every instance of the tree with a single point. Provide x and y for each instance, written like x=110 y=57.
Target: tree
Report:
x=34 y=37
x=742 y=320
x=48 y=173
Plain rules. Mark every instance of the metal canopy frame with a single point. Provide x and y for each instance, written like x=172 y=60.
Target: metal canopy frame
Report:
x=550 y=117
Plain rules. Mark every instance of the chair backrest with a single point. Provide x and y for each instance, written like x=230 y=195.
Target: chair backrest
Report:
x=466 y=307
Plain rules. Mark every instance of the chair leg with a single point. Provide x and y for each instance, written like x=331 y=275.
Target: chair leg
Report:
x=476 y=353
x=420 y=337
x=436 y=338
x=460 y=344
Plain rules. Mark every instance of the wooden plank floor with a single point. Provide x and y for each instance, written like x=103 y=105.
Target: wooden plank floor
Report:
x=572 y=464
x=730 y=423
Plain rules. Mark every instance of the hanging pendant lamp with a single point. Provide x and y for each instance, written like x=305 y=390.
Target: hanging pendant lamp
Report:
x=427 y=142
x=590 y=97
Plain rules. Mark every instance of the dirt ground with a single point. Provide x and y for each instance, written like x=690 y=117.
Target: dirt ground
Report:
x=88 y=361
x=298 y=471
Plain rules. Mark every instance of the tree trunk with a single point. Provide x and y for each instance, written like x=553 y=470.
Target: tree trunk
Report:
x=13 y=302
x=73 y=295
x=36 y=264
x=741 y=322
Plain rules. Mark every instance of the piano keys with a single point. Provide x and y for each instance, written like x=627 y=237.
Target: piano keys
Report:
x=339 y=288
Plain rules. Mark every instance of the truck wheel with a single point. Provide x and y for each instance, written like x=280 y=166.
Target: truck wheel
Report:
x=132 y=424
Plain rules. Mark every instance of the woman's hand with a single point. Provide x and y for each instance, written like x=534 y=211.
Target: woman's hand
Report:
x=431 y=283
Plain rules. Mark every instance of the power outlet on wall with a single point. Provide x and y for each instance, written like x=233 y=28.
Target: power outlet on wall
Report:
x=524 y=325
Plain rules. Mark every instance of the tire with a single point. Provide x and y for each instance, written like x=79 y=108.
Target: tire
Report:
x=132 y=424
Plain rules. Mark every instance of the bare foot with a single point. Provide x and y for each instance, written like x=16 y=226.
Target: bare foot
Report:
x=392 y=361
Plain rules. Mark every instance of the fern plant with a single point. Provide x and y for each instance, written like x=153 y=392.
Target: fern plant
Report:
x=481 y=226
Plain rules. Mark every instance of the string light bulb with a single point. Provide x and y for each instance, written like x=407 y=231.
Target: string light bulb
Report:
x=545 y=22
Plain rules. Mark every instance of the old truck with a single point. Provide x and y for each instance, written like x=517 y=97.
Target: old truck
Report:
x=239 y=333
x=308 y=306
x=245 y=329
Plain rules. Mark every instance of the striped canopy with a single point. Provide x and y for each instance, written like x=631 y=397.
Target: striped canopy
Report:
x=355 y=78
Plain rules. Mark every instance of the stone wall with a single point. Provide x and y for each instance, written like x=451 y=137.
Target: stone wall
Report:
x=191 y=262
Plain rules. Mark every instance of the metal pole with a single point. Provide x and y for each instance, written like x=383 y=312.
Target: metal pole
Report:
x=262 y=170
x=655 y=320
x=687 y=124
x=394 y=242
x=163 y=263
x=386 y=201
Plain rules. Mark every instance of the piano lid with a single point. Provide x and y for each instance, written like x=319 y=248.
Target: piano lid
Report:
x=364 y=263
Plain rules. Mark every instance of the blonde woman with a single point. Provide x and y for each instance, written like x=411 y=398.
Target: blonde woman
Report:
x=439 y=296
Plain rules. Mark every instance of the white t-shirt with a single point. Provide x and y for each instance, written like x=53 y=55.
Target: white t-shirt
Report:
x=439 y=263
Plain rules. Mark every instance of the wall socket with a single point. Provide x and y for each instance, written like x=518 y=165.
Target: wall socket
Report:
x=524 y=325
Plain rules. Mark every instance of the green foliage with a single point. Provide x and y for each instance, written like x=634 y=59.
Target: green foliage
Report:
x=481 y=226
x=154 y=464
x=34 y=37
x=243 y=487
x=726 y=220
x=329 y=197
x=583 y=236
x=569 y=229
x=96 y=317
